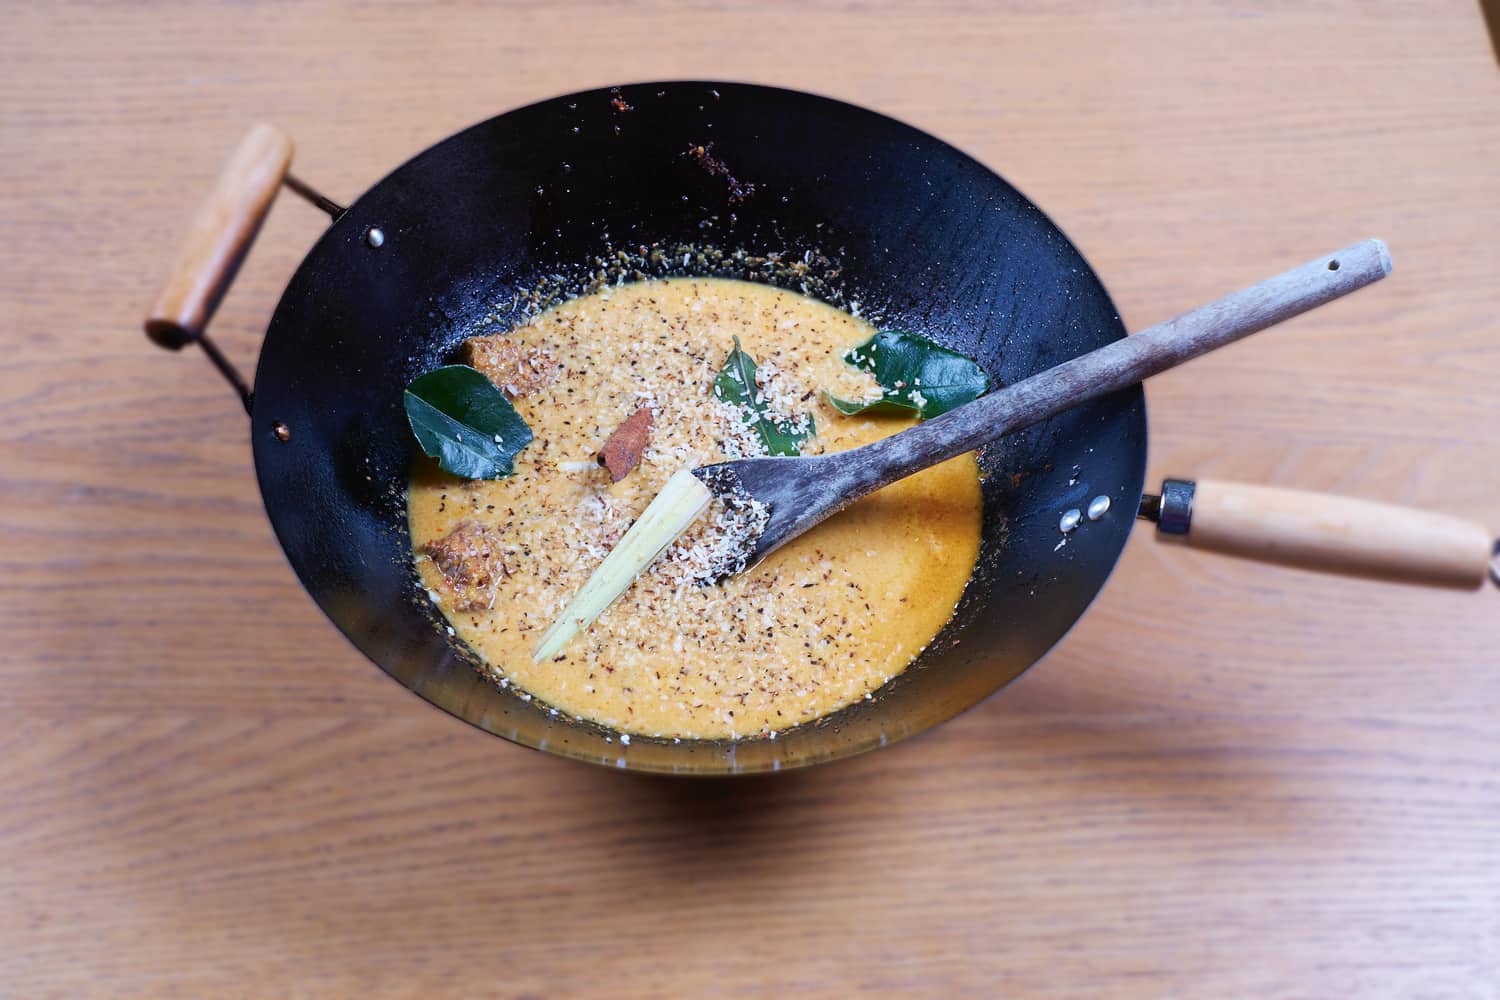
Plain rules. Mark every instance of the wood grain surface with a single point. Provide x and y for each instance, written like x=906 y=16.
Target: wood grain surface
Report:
x=1229 y=781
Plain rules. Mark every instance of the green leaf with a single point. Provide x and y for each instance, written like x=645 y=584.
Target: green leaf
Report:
x=464 y=421
x=735 y=385
x=914 y=374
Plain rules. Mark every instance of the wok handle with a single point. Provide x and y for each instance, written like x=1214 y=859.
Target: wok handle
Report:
x=1324 y=532
x=219 y=237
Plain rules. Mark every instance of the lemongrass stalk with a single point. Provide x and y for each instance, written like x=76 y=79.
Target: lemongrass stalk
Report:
x=674 y=510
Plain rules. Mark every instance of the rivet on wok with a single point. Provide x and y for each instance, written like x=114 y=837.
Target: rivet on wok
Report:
x=1098 y=507
x=281 y=431
x=374 y=237
x=1070 y=520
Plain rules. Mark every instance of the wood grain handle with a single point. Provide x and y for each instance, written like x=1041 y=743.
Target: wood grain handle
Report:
x=220 y=235
x=1338 y=534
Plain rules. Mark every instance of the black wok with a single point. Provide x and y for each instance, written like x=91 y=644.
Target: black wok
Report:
x=666 y=179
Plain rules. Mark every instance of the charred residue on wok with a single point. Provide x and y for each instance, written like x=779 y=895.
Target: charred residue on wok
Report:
x=702 y=155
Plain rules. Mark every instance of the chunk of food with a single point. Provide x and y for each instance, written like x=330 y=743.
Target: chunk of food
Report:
x=472 y=564
x=516 y=368
x=622 y=452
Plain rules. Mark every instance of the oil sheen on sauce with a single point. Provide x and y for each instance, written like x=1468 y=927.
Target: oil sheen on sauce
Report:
x=823 y=622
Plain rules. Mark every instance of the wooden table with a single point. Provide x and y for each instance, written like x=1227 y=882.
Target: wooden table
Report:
x=1229 y=780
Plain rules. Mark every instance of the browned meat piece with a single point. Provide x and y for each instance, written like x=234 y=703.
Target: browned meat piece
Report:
x=470 y=560
x=622 y=452
x=514 y=367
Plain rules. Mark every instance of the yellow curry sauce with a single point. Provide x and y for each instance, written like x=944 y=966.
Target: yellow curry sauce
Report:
x=821 y=623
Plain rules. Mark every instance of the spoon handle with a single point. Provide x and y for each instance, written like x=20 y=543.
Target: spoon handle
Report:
x=1121 y=364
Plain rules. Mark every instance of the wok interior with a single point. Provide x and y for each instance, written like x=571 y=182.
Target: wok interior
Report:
x=535 y=204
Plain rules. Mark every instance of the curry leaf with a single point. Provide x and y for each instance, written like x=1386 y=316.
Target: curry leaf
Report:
x=736 y=386
x=913 y=374
x=464 y=421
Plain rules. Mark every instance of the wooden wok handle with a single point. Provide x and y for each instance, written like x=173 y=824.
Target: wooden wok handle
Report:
x=1325 y=532
x=220 y=235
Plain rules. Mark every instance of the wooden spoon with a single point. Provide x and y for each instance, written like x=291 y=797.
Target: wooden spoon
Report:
x=800 y=492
